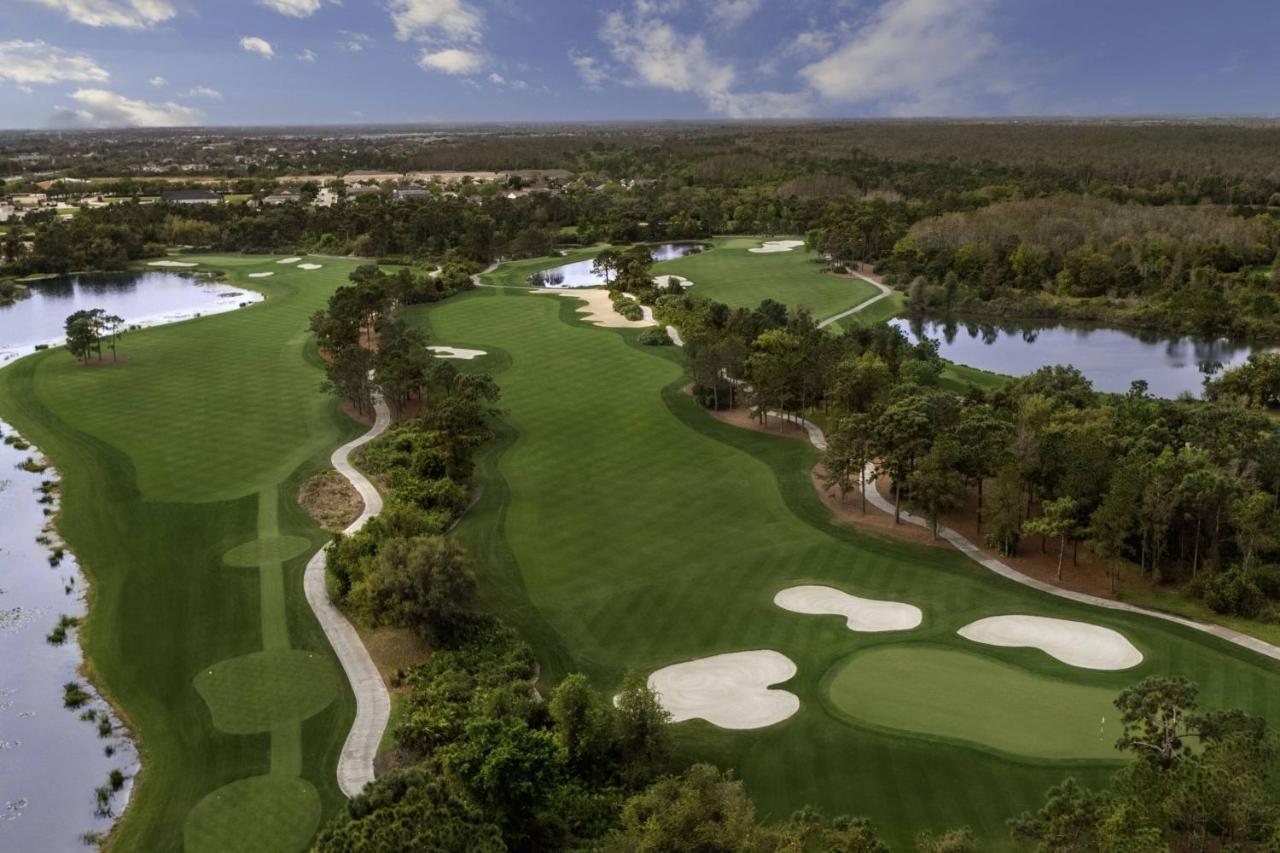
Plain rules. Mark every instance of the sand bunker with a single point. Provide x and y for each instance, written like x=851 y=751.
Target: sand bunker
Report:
x=729 y=691
x=862 y=614
x=599 y=308
x=260 y=274
x=1075 y=643
x=171 y=264
x=309 y=266
x=457 y=352
x=777 y=246
x=288 y=260
x=664 y=281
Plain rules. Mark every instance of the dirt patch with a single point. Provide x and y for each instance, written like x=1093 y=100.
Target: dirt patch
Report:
x=331 y=500
x=394 y=651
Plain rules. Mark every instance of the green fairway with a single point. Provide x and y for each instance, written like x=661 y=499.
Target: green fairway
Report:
x=740 y=278
x=179 y=467
x=931 y=692
x=622 y=529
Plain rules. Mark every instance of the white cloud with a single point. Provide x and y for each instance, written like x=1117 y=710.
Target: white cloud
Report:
x=660 y=56
x=306 y=55
x=101 y=108
x=451 y=61
x=497 y=79
x=589 y=69
x=810 y=44
x=35 y=61
x=159 y=82
x=203 y=92
x=733 y=13
x=293 y=8
x=253 y=44
x=909 y=51
x=131 y=14
x=354 y=42
x=454 y=20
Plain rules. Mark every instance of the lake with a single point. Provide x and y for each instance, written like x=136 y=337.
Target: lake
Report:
x=51 y=758
x=580 y=274
x=141 y=298
x=1111 y=358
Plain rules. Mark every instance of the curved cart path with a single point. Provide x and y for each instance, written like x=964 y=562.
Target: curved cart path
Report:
x=884 y=292
x=973 y=552
x=373 y=704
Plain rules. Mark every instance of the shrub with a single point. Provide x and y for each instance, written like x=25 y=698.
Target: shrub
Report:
x=1234 y=593
x=655 y=337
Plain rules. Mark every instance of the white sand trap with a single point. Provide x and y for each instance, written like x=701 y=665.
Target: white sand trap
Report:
x=1075 y=643
x=457 y=352
x=777 y=246
x=288 y=260
x=171 y=264
x=862 y=614
x=310 y=266
x=664 y=281
x=599 y=308
x=730 y=691
x=260 y=274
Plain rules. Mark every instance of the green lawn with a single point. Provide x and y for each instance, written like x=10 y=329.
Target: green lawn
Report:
x=622 y=528
x=180 y=466
x=1031 y=715
x=732 y=274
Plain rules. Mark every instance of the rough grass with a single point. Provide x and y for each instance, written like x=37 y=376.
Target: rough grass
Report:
x=164 y=459
x=732 y=274
x=930 y=692
x=622 y=528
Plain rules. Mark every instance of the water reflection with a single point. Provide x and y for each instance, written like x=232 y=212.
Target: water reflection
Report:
x=1111 y=358
x=580 y=273
x=143 y=298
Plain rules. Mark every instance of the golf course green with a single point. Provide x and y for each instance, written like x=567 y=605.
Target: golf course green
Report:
x=731 y=273
x=180 y=465
x=938 y=700
x=621 y=528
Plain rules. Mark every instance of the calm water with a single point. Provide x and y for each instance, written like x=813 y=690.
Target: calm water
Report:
x=144 y=299
x=51 y=759
x=1111 y=358
x=580 y=275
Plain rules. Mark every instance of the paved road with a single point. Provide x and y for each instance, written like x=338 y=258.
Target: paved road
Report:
x=373 y=704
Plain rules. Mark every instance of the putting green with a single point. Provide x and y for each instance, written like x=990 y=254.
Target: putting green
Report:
x=269 y=549
x=256 y=692
x=938 y=693
x=732 y=274
x=261 y=814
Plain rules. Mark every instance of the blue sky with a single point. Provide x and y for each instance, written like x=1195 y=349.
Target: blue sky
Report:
x=67 y=63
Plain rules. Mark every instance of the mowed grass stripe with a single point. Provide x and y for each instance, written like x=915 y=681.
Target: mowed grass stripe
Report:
x=622 y=528
x=163 y=457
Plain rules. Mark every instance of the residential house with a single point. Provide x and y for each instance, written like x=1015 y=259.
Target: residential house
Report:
x=201 y=196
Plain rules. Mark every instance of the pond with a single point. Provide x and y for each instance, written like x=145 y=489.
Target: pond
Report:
x=52 y=758
x=580 y=274
x=1110 y=358
x=141 y=298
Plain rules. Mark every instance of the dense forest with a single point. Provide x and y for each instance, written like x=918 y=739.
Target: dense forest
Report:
x=1158 y=225
x=1187 y=491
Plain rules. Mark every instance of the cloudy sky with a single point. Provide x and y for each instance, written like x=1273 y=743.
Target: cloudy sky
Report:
x=68 y=63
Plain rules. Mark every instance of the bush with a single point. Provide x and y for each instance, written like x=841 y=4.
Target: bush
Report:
x=655 y=338
x=1234 y=593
